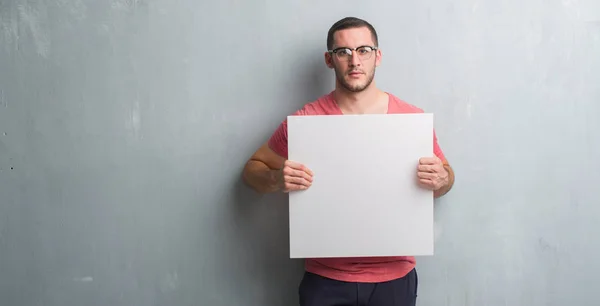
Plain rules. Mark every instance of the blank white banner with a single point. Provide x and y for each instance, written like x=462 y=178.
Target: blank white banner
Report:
x=365 y=199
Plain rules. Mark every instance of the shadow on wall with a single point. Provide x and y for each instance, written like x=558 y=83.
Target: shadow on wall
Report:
x=262 y=221
x=319 y=78
x=311 y=78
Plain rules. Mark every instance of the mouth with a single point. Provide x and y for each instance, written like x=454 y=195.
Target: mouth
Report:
x=355 y=73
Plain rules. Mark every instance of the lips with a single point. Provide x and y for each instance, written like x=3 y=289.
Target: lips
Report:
x=355 y=73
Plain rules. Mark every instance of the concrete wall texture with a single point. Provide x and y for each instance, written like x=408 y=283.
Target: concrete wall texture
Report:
x=124 y=126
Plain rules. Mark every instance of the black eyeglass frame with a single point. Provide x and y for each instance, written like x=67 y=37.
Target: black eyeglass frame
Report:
x=336 y=50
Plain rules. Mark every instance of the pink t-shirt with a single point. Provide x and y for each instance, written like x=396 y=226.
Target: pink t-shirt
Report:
x=362 y=269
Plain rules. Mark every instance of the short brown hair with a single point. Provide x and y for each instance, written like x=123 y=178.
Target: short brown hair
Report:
x=349 y=23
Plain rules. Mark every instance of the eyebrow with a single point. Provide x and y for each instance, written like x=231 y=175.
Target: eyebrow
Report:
x=340 y=47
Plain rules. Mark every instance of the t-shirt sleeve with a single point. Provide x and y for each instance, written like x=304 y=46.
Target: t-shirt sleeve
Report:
x=436 y=148
x=278 y=141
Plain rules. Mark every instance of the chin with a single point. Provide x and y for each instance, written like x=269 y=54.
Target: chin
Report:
x=355 y=88
x=354 y=85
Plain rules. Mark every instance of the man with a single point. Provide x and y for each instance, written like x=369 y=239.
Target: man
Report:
x=353 y=54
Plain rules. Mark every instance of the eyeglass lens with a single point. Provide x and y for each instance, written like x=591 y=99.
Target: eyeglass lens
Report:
x=363 y=52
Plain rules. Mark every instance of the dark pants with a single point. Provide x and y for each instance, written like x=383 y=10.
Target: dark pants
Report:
x=316 y=290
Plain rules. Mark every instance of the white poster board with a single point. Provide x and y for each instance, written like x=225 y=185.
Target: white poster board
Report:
x=365 y=199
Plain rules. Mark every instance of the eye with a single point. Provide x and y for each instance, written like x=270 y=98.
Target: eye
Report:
x=364 y=50
x=345 y=51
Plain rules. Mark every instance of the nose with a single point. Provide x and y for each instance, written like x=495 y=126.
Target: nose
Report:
x=354 y=59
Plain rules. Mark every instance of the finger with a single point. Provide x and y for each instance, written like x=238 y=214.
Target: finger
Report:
x=294 y=187
x=306 y=170
x=298 y=166
x=429 y=160
x=426 y=161
x=427 y=183
x=293 y=164
x=427 y=175
x=426 y=168
x=297 y=181
x=297 y=173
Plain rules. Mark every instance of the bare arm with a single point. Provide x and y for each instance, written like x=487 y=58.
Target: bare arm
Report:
x=263 y=170
x=446 y=187
x=268 y=172
x=436 y=174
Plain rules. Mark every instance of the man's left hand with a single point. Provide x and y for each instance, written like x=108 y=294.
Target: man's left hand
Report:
x=431 y=173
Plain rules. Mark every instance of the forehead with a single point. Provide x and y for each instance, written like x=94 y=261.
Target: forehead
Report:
x=353 y=38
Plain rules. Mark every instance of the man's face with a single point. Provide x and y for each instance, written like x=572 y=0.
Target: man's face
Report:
x=354 y=72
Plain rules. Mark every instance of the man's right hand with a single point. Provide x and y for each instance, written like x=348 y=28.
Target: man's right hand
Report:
x=295 y=176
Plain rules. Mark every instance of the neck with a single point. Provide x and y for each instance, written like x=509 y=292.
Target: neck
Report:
x=366 y=101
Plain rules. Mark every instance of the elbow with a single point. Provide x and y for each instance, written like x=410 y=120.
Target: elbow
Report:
x=249 y=179
x=246 y=177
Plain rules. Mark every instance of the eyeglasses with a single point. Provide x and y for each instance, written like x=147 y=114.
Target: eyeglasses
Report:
x=344 y=53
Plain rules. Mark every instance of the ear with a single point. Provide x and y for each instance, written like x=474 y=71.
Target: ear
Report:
x=328 y=60
x=378 y=55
